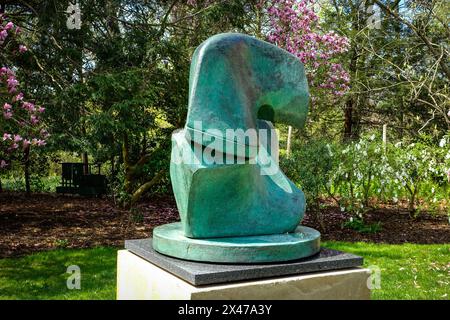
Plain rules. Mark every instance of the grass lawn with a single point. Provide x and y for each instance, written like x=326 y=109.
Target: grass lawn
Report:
x=43 y=275
x=408 y=271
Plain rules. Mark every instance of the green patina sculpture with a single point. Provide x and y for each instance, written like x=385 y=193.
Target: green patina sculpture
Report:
x=235 y=204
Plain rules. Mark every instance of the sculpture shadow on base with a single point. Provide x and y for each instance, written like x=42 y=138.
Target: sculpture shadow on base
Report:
x=235 y=204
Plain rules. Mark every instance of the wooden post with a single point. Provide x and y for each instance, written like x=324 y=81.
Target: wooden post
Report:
x=26 y=168
x=85 y=159
x=288 y=146
x=384 y=136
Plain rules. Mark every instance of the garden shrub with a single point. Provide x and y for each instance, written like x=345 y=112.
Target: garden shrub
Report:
x=364 y=171
x=361 y=164
x=420 y=170
x=362 y=227
x=310 y=166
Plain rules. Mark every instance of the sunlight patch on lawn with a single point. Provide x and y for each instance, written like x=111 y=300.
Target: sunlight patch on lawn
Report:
x=408 y=271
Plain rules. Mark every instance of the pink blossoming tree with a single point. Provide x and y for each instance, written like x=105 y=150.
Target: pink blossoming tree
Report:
x=20 y=120
x=295 y=26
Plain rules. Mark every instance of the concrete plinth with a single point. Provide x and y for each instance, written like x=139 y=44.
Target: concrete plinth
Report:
x=140 y=279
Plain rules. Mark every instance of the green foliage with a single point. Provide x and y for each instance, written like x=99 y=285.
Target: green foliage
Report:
x=397 y=76
x=362 y=227
x=361 y=163
x=364 y=171
x=125 y=73
x=136 y=215
x=310 y=165
x=38 y=183
x=61 y=243
x=117 y=187
x=368 y=170
x=420 y=168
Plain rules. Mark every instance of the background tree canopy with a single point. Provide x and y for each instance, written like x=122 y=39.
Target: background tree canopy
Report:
x=115 y=88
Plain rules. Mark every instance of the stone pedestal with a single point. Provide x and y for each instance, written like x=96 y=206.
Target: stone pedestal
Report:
x=169 y=239
x=143 y=274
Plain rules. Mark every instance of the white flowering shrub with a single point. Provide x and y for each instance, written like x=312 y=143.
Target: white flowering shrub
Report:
x=361 y=165
x=421 y=172
x=365 y=172
x=415 y=171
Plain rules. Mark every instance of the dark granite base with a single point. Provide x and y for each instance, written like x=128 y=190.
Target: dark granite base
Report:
x=198 y=273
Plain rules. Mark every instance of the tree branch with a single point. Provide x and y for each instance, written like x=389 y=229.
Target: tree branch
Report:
x=419 y=33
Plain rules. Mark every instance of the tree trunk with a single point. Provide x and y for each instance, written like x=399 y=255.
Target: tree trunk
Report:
x=26 y=162
x=412 y=204
x=351 y=120
x=133 y=171
x=412 y=200
x=348 y=119
x=113 y=167
x=146 y=186
x=127 y=165
x=85 y=163
x=112 y=25
x=350 y=105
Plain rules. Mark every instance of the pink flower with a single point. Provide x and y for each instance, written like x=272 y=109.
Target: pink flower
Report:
x=26 y=143
x=18 y=30
x=9 y=26
x=3 y=164
x=34 y=119
x=41 y=109
x=7 y=136
x=7 y=106
x=29 y=106
x=18 y=97
x=294 y=26
x=11 y=81
x=3 y=35
x=7 y=71
x=12 y=84
x=17 y=138
x=22 y=48
x=7 y=115
x=38 y=142
x=14 y=146
x=44 y=133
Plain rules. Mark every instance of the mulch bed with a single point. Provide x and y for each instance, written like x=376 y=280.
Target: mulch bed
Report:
x=396 y=226
x=48 y=221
